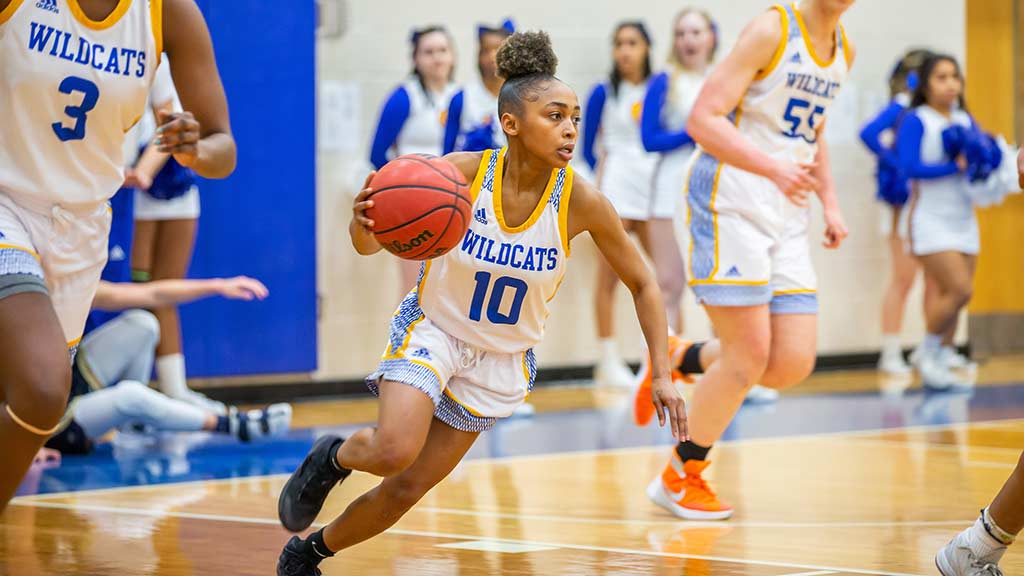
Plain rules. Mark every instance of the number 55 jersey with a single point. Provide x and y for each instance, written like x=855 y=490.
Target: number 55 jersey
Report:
x=748 y=242
x=71 y=87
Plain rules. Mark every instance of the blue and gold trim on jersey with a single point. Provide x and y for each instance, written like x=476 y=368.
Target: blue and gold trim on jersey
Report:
x=836 y=41
x=156 y=21
x=486 y=169
x=6 y=13
x=113 y=18
x=781 y=48
x=408 y=315
x=538 y=210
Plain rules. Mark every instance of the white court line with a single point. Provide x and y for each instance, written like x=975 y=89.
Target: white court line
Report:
x=684 y=523
x=985 y=464
x=820 y=573
x=933 y=446
x=577 y=454
x=455 y=536
x=240 y=480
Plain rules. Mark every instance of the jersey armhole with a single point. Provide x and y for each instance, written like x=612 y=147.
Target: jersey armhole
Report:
x=481 y=173
x=156 y=21
x=6 y=13
x=846 y=46
x=563 y=209
x=780 y=49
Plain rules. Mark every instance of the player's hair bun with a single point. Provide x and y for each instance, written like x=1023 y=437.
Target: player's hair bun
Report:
x=526 y=54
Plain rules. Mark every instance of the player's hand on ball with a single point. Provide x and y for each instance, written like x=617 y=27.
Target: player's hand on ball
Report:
x=178 y=134
x=668 y=400
x=360 y=205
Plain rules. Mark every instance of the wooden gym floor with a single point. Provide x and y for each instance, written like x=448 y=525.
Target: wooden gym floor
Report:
x=836 y=479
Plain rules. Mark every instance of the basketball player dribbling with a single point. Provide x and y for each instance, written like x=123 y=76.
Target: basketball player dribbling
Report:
x=456 y=360
x=75 y=78
x=759 y=122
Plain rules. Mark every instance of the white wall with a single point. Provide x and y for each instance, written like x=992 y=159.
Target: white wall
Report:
x=358 y=294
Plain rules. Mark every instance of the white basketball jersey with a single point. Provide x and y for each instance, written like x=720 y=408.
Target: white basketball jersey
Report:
x=480 y=107
x=71 y=87
x=681 y=97
x=492 y=291
x=787 y=103
x=620 y=123
x=423 y=131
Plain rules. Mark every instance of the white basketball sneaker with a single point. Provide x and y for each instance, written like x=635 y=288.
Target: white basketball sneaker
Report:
x=958 y=558
x=613 y=372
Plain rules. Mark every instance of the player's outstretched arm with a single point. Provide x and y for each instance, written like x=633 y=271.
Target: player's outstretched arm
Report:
x=122 y=296
x=589 y=210
x=200 y=137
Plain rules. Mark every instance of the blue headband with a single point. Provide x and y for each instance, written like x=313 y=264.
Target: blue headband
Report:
x=414 y=36
x=507 y=26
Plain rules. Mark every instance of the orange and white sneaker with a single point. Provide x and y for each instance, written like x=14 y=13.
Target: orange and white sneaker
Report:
x=681 y=490
x=643 y=403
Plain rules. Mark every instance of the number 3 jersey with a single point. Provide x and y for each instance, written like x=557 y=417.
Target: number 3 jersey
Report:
x=69 y=90
x=492 y=290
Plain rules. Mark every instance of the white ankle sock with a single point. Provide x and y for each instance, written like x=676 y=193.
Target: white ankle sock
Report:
x=984 y=545
x=609 y=349
x=932 y=344
x=891 y=346
x=170 y=371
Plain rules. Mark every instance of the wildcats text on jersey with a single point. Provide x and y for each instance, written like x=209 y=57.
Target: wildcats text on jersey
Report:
x=811 y=84
x=518 y=256
x=68 y=46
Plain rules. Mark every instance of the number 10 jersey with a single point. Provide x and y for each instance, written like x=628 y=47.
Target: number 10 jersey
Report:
x=493 y=289
x=70 y=88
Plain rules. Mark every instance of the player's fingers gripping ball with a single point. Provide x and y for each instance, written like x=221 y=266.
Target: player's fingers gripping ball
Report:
x=421 y=206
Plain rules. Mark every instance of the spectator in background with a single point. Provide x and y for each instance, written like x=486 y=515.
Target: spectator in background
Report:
x=115 y=360
x=666 y=108
x=894 y=190
x=166 y=213
x=412 y=119
x=624 y=173
x=472 y=123
x=941 y=226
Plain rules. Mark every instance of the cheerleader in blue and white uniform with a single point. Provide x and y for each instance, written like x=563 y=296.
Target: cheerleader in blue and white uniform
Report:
x=612 y=148
x=670 y=96
x=940 y=223
x=472 y=124
x=893 y=191
x=412 y=120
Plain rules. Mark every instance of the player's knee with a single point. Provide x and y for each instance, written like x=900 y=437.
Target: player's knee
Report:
x=963 y=293
x=672 y=286
x=746 y=368
x=133 y=398
x=782 y=373
x=40 y=394
x=393 y=456
x=145 y=323
x=403 y=493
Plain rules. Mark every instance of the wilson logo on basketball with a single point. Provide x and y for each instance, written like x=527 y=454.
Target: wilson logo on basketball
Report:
x=397 y=247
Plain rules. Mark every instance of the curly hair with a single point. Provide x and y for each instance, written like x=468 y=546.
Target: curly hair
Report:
x=524 y=60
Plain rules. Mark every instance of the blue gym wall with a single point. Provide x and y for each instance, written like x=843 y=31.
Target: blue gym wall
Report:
x=261 y=221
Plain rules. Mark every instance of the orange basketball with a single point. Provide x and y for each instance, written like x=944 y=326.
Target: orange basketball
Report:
x=421 y=206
